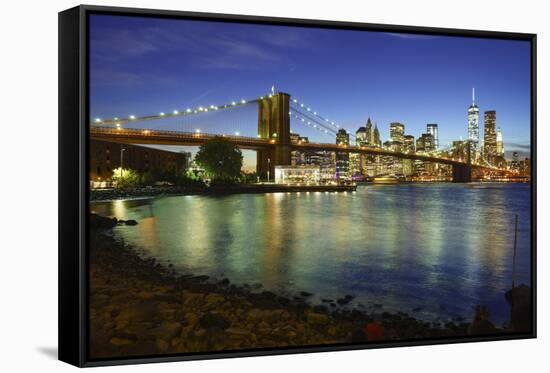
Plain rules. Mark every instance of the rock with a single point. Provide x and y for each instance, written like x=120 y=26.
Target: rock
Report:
x=142 y=312
x=305 y=294
x=101 y=222
x=168 y=330
x=192 y=299
x=120 y=341
x=162 y=345
x=130 y=222
x=238 y=332
x=375 y=331
x=213 y=299
x=213 y=320
x=317 y=318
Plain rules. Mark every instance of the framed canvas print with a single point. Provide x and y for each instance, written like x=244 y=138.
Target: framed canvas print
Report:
x=238 y=186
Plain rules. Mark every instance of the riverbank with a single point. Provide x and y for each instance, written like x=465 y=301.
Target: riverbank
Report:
x=129 y=193
x=139 y=307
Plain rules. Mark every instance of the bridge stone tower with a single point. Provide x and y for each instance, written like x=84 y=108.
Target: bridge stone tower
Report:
x=463 y=173
x=274 y=125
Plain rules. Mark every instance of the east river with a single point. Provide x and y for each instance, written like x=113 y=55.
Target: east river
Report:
x=431 y=250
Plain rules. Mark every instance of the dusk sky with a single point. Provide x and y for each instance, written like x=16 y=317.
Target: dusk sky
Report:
x=143 y=66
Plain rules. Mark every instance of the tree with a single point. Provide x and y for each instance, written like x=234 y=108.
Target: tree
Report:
x=221 y=159
x=125 y=178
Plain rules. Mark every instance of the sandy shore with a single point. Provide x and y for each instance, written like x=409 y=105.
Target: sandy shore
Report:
x=139 y=307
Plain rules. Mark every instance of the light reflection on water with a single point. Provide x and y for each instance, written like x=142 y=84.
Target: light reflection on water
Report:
x=439 y=247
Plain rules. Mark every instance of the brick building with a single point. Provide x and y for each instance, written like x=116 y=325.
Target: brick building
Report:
x=159 y=164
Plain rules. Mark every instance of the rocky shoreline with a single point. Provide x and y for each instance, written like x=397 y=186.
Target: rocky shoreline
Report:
x=128 y=193
x=140 y=307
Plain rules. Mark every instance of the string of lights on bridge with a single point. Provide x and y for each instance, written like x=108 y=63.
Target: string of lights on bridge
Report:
x=175 y=113
x=308 y=117
x=300 y=105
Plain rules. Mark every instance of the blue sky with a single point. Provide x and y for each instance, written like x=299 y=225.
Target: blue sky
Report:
x=143 y=66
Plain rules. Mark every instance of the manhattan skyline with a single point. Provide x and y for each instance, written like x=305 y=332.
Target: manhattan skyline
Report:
x=146 y=65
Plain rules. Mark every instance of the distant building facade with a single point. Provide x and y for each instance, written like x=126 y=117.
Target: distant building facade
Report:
x=432 y=129
x=342 y=158
x=490 y=135
x=106 y=156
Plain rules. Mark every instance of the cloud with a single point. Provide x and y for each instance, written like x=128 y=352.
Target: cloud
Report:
x=205 y=45
x=518 y=146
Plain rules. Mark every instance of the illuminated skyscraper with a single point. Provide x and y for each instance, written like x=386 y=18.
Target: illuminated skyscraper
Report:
x=500 y=144
x=432 y=130
x=370 y=133
x=408 y=143
x=342 y=158
x=361 y=137
x=397 y=132
x=473 y=124
x=376 y=137
x=490 y=135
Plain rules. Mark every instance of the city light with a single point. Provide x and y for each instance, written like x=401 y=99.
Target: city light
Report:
x=176 y=112
x=132 y=117
x=97 y=120
x=161 y=114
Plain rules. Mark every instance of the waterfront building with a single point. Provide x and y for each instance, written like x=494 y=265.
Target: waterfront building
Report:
x=473 y=125
x=159 y=165
x=342 y=158
x=432 y=129
x=490 y=136
x=297 y=175
x=514 y=164
x=355 y=164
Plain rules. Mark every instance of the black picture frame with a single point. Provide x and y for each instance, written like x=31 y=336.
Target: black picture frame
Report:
x=74 y=186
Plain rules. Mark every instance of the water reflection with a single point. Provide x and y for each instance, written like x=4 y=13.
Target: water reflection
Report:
x=439 y=247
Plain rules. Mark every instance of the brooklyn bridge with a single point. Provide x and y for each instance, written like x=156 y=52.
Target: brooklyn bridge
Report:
x=272 y=142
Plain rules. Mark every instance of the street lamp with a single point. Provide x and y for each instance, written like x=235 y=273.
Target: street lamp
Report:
x=122 y=149
x=268 y=168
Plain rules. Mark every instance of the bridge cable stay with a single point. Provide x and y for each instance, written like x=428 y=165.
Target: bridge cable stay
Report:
x=300 y=106
x=312 y=122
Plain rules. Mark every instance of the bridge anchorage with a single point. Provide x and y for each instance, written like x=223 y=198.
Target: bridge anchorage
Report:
x=273 y=143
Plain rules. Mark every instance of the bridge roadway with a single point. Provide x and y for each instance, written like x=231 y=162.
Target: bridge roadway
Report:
x=156 y=137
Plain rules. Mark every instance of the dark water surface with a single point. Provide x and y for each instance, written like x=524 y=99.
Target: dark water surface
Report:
x=438 y=249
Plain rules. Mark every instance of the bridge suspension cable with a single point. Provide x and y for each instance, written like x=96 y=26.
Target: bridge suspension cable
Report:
x=117 y=121
x=312 y=122
x=307 y=110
